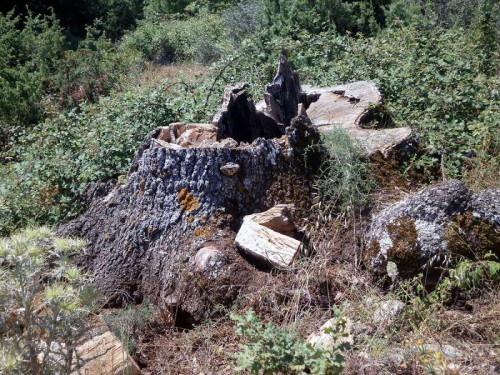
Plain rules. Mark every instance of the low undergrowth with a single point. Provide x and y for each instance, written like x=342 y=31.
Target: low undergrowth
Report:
x=345 y=177
x=410 y=329
x=45 y=301
x=273 y=350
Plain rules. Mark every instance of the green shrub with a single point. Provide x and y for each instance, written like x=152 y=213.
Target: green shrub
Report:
x=59 y=157
x=469 y=275
x=273 y=350
x=44 y=302
x=40 y=75
x=465 y=280
x=29 y=55
x=345 y=16
x=93 y=70
x=202 y=38
x=244 y=19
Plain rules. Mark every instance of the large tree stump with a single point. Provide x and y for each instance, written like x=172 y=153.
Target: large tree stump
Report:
x=190 y=185
x=143 y=236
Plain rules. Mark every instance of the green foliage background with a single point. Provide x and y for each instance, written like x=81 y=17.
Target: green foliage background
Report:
x=74 y=107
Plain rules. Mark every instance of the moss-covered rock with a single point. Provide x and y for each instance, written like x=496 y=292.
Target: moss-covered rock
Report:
x=435 y=225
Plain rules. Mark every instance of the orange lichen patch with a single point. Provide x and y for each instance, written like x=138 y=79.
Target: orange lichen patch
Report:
x=188 y=200
x=142 y=187
x=240 y=187
x=202 y=232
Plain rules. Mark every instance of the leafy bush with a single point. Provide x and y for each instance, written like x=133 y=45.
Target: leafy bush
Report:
x=273 y=350
x=44 y=302
x=202 y=38
x=94 y=69
x=344 y=16
x=467 y=279
x=244 y=19
x=468 y=275
x=40 y=75
x=29 y=56
x=57 y=158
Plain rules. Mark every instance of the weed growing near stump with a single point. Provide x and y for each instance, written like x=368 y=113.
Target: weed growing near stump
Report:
x=345 y=179
x=275 y=350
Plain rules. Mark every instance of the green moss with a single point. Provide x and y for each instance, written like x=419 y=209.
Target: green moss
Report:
x=370 y=252
x=405 y=250
x=471 y=238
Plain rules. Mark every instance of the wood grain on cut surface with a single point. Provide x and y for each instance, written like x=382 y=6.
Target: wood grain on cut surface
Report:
x=266 y=244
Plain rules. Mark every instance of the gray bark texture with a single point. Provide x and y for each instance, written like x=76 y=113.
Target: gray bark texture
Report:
x=142 y=236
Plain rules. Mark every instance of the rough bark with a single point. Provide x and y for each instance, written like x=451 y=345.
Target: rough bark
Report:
x=144 y=234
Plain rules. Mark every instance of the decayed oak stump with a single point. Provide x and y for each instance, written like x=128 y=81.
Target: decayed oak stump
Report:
x=189 y=187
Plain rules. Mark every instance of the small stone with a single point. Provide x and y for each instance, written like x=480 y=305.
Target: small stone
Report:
x=211 y=261
x=387 y=311
x=447 y=350
x=230 y=169
x=326 y=340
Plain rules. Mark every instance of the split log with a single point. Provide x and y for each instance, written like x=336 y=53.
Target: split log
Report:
x=105 y=354
x=266 y=244
x=353 y=107
x=278 y=218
